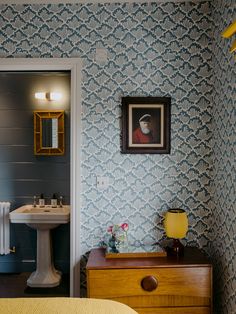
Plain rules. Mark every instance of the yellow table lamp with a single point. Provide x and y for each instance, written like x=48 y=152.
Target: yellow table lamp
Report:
x=176 y=227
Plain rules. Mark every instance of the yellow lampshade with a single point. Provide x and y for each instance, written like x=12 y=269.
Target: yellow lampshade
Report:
x=176 y=223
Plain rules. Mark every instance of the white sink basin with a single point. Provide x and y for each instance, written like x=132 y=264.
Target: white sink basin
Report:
x=41 y=215
x=42 y=219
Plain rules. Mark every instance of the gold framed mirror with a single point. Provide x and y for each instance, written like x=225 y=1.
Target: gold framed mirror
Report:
x=49 y=132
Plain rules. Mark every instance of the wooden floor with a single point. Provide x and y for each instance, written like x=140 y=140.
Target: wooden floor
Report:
x=15 y=286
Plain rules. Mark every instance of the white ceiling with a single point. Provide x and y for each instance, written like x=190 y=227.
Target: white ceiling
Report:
x=89 y=1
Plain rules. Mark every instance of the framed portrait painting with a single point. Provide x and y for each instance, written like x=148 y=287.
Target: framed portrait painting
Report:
x=145 y=125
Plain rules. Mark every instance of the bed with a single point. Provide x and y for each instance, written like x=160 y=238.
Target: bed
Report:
x=62 y=306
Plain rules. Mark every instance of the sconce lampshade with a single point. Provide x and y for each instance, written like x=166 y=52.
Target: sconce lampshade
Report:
x=176 y=223
x=48 y=96
x=176 y=227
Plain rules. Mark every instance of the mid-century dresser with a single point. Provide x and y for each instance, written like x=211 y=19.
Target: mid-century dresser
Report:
x=153 y=285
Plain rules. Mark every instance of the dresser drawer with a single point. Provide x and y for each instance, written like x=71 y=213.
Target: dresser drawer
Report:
x=174 y=310
x=176 y=286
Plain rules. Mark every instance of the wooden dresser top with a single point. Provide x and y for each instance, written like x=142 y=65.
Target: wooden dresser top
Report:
x=193 y=257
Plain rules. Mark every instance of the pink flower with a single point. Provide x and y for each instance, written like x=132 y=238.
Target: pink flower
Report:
x=109 y=229
x=125 y=226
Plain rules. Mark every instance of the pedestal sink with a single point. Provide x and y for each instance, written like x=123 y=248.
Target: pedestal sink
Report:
x=42 y=219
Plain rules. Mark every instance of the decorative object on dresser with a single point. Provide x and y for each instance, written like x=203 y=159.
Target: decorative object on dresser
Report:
x=153 y=285
x=116 y=244
x=134 y=251
x=117 y=238
x=176 y=227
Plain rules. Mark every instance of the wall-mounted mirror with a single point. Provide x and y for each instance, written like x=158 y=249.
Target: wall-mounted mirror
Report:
x=49 y=132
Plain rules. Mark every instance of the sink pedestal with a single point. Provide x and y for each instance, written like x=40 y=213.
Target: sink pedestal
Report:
x=43 y=219
x=46 y=275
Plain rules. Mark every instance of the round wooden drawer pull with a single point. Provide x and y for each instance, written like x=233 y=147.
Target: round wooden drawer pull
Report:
x=149 y=283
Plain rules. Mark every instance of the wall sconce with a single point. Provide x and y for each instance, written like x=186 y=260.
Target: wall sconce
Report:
x=176 y=227
x=48 y=96
x=228 y=32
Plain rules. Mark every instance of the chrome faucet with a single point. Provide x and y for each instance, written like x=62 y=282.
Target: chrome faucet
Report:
x=35 y=201
x=60 y=201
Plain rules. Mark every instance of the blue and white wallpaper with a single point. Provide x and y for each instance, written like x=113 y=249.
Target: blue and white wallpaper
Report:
x=224 y=162
x=153 y=49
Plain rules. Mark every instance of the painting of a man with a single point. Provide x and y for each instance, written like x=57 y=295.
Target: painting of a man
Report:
x=145 y=125
x=143 y=134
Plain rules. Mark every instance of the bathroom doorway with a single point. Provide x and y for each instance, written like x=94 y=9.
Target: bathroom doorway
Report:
x=73 y=67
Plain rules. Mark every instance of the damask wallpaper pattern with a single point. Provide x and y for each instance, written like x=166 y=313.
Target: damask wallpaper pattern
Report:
x=153 y=49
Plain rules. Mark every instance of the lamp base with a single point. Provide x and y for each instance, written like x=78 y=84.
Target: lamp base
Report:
x=177 y=248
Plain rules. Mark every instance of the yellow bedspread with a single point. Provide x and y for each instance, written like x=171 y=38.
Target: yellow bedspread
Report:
x=62 y=306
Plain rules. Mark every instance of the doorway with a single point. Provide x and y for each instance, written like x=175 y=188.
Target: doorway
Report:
x=74 y=66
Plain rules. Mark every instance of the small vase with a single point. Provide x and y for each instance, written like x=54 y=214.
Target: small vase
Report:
x=122 y=242
x=112 y=245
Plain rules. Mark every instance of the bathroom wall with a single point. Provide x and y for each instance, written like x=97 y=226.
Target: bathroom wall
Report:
x=22 y=174
x=224 y=162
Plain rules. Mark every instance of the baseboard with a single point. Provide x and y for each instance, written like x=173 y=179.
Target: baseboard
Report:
x=30 y=266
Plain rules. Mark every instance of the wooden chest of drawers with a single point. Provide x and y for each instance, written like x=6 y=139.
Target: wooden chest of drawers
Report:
x=160 y=285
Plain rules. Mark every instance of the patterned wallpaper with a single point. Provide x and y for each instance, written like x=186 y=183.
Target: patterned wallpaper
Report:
x=159 y=50
x=224 y=162
x=154 y=49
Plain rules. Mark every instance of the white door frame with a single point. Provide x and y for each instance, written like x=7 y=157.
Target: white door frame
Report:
x=74 y=65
